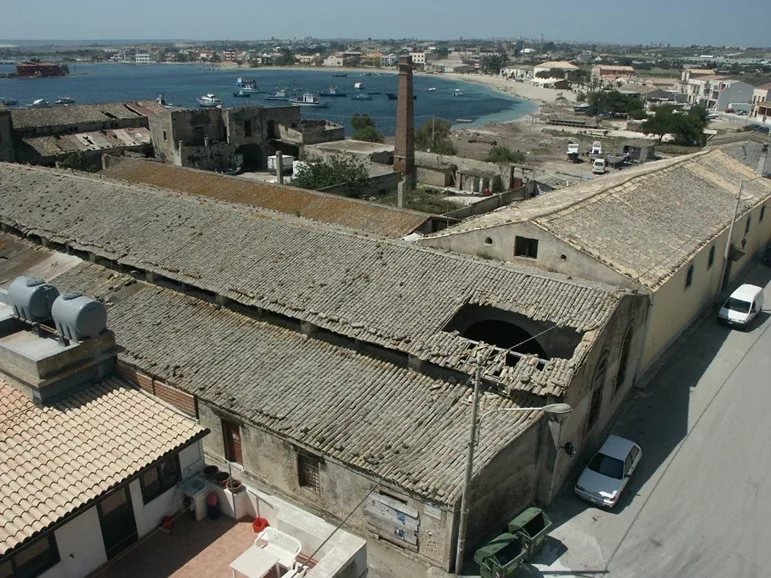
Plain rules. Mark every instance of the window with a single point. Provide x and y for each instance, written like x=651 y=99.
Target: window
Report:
x=689 y=276
x=308 y=472
x=623 y=361
x=711 y=258
x=164 y=135
x=762 y=212
x=33 y=560
x=747 y=224
x=198 y=134
x=524 y=247
x=597 y=384
x=247 y=128
x=161 y=477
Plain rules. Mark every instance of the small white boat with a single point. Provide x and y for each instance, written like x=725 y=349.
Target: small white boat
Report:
x=432 y=89
x=464 y=120
x=209 y=100
x=309 y=99
x=458 y=92
x=64 y=100
x=39 y=103
x=360 y=86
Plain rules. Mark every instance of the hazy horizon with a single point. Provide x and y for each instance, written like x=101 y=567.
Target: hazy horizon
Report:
x=686 y=22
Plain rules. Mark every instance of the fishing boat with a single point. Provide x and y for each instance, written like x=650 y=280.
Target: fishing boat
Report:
x=248 y=86
x=241 y=93
x=64 y=100
x=360 y=86
x=361 y=96
x=392 y=96
x=366 y=74
x=333 y=91
x=309 y=99
x=8 y=101
x=458 y=92
x=432 y=89
x=376 y=93
x=280 y=94
x=209 y=101
x=39 y=103
x=340 y=74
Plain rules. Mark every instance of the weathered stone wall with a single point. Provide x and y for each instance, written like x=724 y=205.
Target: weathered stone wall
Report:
x=7 y=149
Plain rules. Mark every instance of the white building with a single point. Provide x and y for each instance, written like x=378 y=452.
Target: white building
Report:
x=335 y=60
x=555 y=68
x=229 y=55
x=388 y=60
x=418 y=58
x=142 y=58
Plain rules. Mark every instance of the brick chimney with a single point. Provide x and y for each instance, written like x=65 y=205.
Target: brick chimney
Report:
x=404 y=153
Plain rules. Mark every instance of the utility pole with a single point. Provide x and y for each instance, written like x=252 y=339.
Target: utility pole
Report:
x=724 y=275
x=469 y=470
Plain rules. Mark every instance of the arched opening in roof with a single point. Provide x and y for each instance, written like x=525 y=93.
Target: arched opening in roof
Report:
x=505 y=335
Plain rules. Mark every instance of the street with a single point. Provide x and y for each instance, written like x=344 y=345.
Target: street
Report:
x=700 y=502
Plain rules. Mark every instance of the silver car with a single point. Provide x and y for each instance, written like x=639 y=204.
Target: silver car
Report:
x=608 y=472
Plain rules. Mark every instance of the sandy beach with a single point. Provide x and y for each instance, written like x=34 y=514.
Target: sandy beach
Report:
x=510 y=87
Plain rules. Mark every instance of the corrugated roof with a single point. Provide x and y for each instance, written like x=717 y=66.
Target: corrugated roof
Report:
x=24 y=118
x=389 y=293
x=314 y=205
x=56 y=459
x=634 y=219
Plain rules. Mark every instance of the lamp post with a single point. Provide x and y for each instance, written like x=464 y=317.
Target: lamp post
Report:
x=724 y=274
x=552 y=409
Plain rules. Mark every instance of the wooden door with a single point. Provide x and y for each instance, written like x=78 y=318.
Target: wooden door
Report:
x=232 y=434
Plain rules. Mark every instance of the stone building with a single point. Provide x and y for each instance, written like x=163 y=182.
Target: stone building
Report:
x=7 y=149
x=211 y=138
x=46 y=135
x=332 y=363
x=661 y=229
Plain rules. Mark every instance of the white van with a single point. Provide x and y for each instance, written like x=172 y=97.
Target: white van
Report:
x=742 y=306
x=598 y=167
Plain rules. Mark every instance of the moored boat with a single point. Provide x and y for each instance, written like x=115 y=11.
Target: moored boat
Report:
x=340 y=74
x=309 y=99
x=361 y=96
x=248 y=86
x=242 y=94
x=8 y=101
x=64 y=100
x=333 y=92
x=458 y=92
x=38 y=103
x=392 y=96
x=280 y=94
x=209 y=101
x=359 y=86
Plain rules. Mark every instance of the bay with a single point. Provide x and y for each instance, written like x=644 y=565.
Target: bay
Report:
x=182 y=84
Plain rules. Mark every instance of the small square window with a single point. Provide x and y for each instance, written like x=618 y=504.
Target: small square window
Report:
x=159 y=478
x=308 y=472
x=747 y=225
x=36 y=558
x=762 y=212
x=164 y=135
x=711 y=258
x=526 y=247
x=689 y=276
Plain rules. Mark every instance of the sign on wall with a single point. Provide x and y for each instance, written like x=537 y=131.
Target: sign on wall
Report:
x=393 y=520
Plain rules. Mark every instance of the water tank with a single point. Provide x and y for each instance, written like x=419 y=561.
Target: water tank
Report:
x=32 y=298
x=78 y=317
x=298 y=167
x=286 y=163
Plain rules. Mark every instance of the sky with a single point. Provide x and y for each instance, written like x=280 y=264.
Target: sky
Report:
x=679 y=22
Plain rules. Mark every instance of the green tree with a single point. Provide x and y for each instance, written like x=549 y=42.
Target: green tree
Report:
x=612 y=101
x=434 y=137
x=364 y=128
x=286 y=58
x=688 y=128
x=504 y=155
x=318 y=174
x=77 y=162
x=493 y=63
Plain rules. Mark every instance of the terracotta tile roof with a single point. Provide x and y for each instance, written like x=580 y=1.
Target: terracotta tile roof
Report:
x=406 y=427
x=389 y=293
x=24 y=118
x=633 y=219
x=323 y=207
x=56 y=459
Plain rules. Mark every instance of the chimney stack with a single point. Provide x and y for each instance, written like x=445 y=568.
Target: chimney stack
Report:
x=763 y=168
x=404 y=153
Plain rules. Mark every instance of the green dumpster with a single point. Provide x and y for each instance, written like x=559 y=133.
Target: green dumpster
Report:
x=500 y=557
x=532 y=525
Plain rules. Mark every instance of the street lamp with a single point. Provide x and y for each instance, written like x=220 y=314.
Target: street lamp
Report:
x=725 y=273
x=558 y=409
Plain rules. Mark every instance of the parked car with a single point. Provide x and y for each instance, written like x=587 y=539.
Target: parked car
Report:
x=608 y=472
x=742 y=306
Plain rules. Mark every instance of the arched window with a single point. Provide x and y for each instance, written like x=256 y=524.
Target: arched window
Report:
x=595 y=405
x=623 y=360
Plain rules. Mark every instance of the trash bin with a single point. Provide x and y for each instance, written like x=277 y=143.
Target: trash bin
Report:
x=500 y=557
x=213 y=506
x=533 y=526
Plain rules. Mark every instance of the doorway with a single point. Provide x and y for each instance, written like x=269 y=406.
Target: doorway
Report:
x=116 y=518
x=231 y=433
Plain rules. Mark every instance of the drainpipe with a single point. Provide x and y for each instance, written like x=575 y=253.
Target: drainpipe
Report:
x=280 y=167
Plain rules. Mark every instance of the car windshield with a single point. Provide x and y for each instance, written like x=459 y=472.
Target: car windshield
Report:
x=738 y=305
x=607 y=466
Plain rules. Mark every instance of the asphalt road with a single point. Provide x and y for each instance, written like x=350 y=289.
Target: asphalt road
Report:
x=700 y=503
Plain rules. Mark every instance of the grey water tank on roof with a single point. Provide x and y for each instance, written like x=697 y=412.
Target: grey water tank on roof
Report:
x=32 y=298
x=78 y=317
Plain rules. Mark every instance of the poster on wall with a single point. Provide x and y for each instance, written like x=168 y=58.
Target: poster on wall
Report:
x=393 y=520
